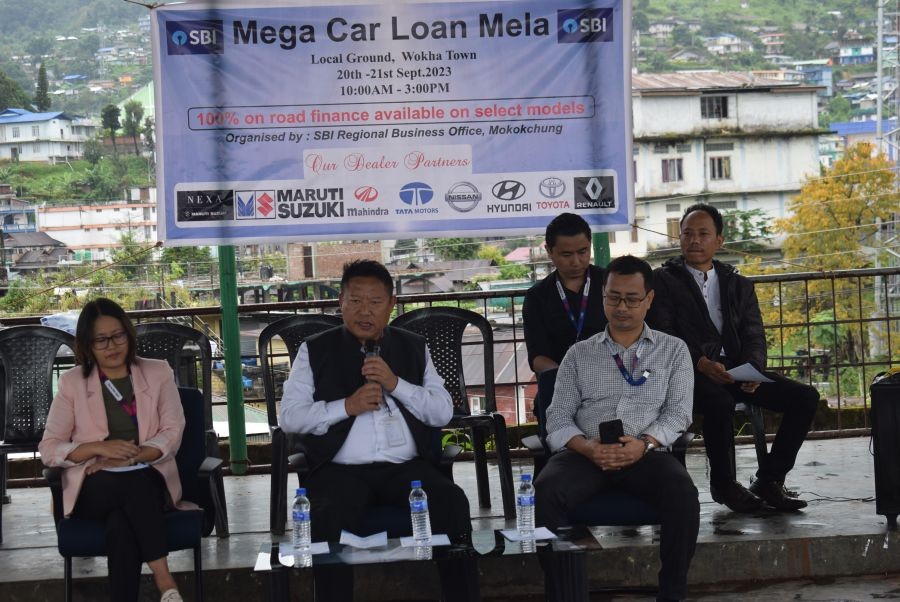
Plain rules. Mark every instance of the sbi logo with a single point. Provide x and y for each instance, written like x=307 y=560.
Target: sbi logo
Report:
x=195 y=37
x=585 y=25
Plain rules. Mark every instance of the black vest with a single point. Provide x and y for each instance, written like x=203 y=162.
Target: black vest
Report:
x=336 y=358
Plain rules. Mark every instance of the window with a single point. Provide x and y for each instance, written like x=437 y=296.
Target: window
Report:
x=673 y=207
x=672 y=170
x=15 y=132
x=673 y=227
x=723 y=205
x=476 y=404
x=719 y=146
x=714 y=107
x=36 y=147
x=660 y=149
x=683 y=148
x=720 y=168
x=35 y=131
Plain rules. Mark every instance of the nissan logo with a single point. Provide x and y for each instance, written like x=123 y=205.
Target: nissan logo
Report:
x=508 y=190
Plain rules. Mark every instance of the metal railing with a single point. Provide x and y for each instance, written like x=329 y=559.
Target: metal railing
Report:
x=833 y=330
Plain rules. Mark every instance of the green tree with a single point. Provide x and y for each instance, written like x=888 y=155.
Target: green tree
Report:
x=493 y=253
x=189 y=260
x=42 y=92
x=12 y=94
x=109 y=120
x=747 y=230
x=131 y=259
x=839 y=109
x=134 y=112
x=93 y=151
x=639 y=21
x=147 y=130
x=454 y=248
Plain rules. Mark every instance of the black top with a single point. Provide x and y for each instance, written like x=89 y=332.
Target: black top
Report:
x=680 y=310
x=548 y=328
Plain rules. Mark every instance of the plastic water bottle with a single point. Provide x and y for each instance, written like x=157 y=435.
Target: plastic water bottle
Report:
x=525 y=507
x=418 y=512
x=301 y=536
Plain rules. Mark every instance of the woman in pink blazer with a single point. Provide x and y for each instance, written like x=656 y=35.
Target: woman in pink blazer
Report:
x=115 y=426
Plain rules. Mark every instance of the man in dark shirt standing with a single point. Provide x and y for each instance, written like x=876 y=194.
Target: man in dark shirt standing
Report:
x=715 y=311
x=567 y=305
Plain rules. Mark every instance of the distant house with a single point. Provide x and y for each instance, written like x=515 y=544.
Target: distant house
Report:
x=852 y=133
x=727 y=43
x=686 y=56
x=773 y=43
x=45 y=137
x=443 y=276
x=856 y=52
x=818 y=73
x=32 y=251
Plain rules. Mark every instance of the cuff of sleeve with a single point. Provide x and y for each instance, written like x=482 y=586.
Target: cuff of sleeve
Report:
x=64 y=451
x=558 y=439
x=335 y=411
x=664 y=437
x=403 y=391
x=152 y=443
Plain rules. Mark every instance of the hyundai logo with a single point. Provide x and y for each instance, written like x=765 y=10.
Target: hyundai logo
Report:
x=508 y=190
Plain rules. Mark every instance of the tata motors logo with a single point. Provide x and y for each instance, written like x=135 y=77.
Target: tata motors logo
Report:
x=195 y=37
x=416 y=193
x=255 y=204
x=597 y=194
x=463 y=196
x=508 y=190
x=576 y=26
x=204 y=205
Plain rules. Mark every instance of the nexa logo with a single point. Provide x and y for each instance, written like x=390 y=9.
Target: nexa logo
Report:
x=508 y=190
x=576 y=26
x=195 y=37
x=204 y=205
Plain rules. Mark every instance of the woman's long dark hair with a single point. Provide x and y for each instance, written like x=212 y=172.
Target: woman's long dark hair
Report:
x=84 y=332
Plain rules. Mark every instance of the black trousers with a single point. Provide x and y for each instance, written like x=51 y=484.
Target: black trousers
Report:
x=797 y=402
x=658 y=478
x=340 y=494
x=132 y=504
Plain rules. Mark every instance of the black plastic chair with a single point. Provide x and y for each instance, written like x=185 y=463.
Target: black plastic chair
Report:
x=173 y=343
x=28 y=356
x=292 y=330
x=184 y=529
x=443 y=329
x=612 y=508
x=757 y=425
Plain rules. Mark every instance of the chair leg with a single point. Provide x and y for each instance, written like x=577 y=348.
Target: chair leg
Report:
x=759 y=434
x=481 y=474
x=67 y=578
x=218 y=494
x=278 y=486
x=198 y=574
x=4 y=470
x=504 y=464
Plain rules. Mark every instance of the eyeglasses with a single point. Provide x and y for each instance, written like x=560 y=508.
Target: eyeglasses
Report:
x=615 y=300
x=119 y=338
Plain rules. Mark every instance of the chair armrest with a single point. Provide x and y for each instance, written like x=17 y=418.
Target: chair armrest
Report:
x=449 y=454
x=535 y=446
x=298 y=462
x=208 y=467
x=54 y=480
x=680 y=446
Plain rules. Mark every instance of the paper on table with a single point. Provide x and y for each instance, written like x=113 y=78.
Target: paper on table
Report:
x=286 y=548
x=436 y=540
x=747 y=373
x=539 y=534
x=372 y=541
x=137 y=466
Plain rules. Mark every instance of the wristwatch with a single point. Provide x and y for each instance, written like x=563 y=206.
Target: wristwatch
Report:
x=649 y=445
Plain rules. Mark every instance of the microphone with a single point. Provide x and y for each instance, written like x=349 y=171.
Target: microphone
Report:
x=372 y=349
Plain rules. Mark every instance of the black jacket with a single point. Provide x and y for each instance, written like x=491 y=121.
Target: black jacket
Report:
x=679 y=309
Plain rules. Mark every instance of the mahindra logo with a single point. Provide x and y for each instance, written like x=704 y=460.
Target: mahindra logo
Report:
x=508 y=190
x=366 y=194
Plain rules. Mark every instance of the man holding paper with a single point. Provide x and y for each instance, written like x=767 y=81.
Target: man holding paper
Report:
x=715 y=311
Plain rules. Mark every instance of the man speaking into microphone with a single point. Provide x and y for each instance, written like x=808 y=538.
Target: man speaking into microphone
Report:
x=366 y=396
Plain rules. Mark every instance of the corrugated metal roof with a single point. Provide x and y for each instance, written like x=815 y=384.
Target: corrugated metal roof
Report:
x=23 y=116
x=697 y=81
x=849 y=128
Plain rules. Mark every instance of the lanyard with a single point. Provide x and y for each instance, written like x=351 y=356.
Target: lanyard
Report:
x=634 y=364
x=579 y=323
x=129 y=405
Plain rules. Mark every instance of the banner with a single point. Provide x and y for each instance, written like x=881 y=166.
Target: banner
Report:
x=390 y=121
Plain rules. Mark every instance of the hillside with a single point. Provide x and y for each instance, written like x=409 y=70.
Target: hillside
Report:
x=725 y=13
x=25 y=19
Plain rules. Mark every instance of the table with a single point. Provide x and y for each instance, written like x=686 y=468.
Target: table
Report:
x=565 y=558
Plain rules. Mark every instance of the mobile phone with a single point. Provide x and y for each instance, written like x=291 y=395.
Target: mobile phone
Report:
x=610 y=431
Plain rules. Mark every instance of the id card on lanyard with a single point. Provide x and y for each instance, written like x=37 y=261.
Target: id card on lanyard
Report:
x=578 y=323
x=628 y=376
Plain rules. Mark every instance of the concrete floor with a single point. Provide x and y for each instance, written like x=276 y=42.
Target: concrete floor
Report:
x=810 y=555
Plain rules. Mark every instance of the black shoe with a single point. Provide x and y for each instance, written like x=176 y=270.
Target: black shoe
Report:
x=736 y=497
x=773 y=493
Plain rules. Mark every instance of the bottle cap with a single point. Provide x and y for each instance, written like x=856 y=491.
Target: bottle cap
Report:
x=526 y=478
x=301 y=491
x=415 y=484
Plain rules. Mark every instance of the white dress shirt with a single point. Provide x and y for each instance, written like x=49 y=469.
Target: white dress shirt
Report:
x=374 y=436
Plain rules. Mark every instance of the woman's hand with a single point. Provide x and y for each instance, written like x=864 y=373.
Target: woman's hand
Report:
x=116 y=449
x=106 y=463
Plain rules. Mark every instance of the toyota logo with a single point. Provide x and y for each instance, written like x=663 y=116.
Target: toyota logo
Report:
x=552 y=187
x=508 y=190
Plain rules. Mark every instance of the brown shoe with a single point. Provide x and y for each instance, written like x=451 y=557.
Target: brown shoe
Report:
x=773 y=493
x=736 y=497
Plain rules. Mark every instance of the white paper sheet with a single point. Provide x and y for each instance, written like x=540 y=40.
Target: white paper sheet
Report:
x=286 y=548
x=747 y=373
x=138 y=466
x=539 y=534
x=379 y=540
x=436 y=540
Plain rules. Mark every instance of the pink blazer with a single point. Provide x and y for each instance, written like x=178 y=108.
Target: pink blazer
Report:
x=77 y=415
